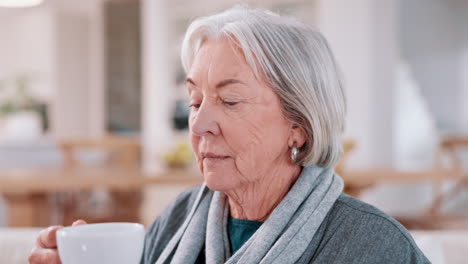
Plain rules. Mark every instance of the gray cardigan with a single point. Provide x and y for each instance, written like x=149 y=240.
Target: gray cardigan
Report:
x=352 y=232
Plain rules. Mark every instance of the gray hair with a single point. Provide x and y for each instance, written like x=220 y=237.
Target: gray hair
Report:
x=296 y=61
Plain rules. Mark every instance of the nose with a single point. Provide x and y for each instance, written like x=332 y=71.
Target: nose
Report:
x=203 y=120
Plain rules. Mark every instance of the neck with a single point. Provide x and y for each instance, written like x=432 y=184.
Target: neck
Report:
x=256 y=200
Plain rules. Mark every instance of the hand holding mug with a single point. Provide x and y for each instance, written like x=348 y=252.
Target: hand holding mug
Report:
x=45 y=251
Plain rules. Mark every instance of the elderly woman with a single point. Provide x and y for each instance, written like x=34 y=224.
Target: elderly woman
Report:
x=267 y=113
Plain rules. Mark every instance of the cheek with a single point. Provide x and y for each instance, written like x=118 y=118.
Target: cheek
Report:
x=259 y=139
x=193 y=138
x=194 y=141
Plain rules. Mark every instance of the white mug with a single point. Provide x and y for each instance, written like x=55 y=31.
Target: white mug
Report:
x=106 y=243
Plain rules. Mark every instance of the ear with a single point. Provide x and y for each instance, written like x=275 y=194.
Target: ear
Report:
x=297 y=135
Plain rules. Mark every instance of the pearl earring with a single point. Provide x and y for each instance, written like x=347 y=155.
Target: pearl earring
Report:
x=294 y=153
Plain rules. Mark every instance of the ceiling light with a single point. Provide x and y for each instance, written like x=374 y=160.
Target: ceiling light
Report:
x=19 y=3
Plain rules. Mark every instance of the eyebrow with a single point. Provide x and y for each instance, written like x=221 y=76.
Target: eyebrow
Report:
x=228 y=82
x=188 y=80
x=221 y=84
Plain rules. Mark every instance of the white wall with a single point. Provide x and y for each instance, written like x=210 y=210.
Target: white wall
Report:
x=463 y=100
x=362 y=35
x=158 y=88
x=26 y=47
x=433 y=35
x=71 y=104
x=463 y=72
x=96 y=70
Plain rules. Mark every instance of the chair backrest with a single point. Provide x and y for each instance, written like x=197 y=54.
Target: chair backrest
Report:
x=451 y=150
x=115 y=151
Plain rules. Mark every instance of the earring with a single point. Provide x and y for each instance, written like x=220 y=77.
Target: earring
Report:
x=294 y=152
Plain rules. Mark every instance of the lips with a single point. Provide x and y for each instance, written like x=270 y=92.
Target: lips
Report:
x=213 y=156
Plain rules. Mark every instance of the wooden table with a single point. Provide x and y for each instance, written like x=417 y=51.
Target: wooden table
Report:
x=26 y=190
x=392 y=175
x=357 y=181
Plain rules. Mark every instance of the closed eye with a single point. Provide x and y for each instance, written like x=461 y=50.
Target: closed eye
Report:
x=230 y=103
x=196 y=106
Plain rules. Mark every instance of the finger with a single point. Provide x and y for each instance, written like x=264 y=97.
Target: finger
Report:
x=47 y=239
x=44 y=256
x=79 y=222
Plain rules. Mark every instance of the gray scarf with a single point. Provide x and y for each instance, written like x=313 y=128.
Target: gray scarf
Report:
x=282 y=238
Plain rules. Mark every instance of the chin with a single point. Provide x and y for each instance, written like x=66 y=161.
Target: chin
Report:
x=219 y=181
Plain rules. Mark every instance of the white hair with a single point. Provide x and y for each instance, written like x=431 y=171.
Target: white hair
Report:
x=296 y=61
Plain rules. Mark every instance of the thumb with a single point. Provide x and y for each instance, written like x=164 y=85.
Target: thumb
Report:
x=79 y=222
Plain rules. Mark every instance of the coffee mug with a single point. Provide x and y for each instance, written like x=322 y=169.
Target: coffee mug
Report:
x=106 y=243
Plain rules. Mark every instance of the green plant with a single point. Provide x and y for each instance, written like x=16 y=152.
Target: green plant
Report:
x=18 y=95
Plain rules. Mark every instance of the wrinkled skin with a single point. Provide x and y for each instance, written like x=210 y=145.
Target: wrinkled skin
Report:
x=239 y=133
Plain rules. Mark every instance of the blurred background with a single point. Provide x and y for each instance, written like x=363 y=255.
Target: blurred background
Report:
x=93 y=111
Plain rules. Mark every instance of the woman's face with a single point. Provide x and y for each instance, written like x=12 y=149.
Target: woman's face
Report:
x=237 y=128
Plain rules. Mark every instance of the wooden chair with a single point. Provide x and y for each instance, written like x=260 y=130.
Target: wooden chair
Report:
x=116 y=153
x=449 y=158
x=450 y=162
x=122 y=153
